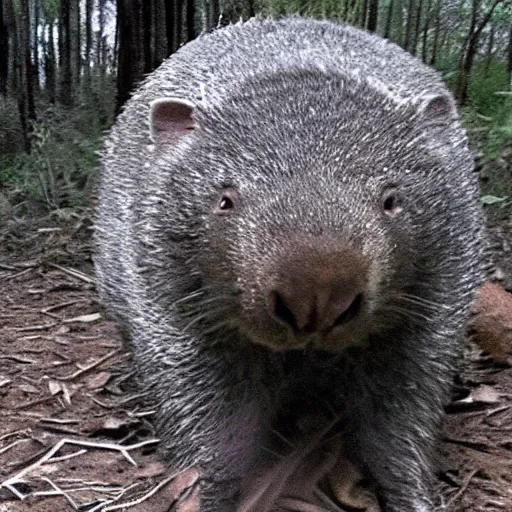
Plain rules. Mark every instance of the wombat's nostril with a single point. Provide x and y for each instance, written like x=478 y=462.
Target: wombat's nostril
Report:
x=278 y=308
x=350 y=312
x=313 y=309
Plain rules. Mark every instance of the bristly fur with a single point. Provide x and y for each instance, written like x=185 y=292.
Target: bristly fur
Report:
x=308 y=121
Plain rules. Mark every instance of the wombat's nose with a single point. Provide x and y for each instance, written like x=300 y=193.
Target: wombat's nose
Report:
x=316 y=296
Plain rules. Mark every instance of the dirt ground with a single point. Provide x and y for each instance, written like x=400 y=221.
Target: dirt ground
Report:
x=74 y=434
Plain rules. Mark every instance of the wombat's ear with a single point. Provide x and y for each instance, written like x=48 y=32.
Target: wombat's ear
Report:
x=437 y=109
x=170 y=119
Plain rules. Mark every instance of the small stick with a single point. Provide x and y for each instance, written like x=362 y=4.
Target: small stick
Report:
x=81 y=371
x=463 y=489
x=68 y=456
x=42 y=327
x=72 y=272
x=146 y=496
x=70 y=500
x=12 y=445
x=47 y=458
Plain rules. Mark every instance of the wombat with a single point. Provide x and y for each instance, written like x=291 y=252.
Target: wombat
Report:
x=288 y=216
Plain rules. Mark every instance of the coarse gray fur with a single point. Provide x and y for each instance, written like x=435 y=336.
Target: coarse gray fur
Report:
x=308 y=121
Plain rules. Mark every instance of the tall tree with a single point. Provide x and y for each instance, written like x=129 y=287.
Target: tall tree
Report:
x=363 y=13
x=65 y=75
x=49 y=62
x=75 y=43
x=160 y=52
x=437 y=31
x=170 y=13
x=4 y=49
x=178 y=24
x=88 y=43
x=509 y=59
x=26 y=103
x=101 y=37
x=490 y=49
x=373 y=12
x=416 y=29
x=470 y=46
x=409 y=26
x=147 y=17
x=190 y=16
x=389 y=19
x=425 y=31
x=35 y=18
x=131 y=56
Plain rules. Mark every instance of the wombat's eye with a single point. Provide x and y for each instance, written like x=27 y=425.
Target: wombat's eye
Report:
x=391 y=202
x=226 y=201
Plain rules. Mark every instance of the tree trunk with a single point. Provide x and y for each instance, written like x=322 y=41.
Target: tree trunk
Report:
x=363 y=13
x=65 y=75
x=131 y=56
x=12 y=34
x=373 y=12
x=75 y=44
x=389 y=19
x=215 y=5
x=509 y=60
x=88 y=43
x=4 y=49
x=35 y=43
x=26 y=104
x=416 y=30
x=147 y=18
x=437 y=30
x=426 y=28
x=191 y=32
x=160 y=52
x=178 y=24
x=489 y=52
x=49 y=64
x=469 y=50
x=169 y=25
x=409 y=25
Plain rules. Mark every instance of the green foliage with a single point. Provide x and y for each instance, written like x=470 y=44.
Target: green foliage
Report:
x=50 y=9
x=484 y=85
x=57 y=172
x=491 y=139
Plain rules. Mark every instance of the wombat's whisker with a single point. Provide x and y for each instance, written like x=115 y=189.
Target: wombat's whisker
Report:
x=420 y=301
x=408 y=313
x=190 y=297
x=326 y=501
x=282 y=437
x=199 y=318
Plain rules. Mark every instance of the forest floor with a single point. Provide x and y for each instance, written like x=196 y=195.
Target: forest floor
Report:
x=74 y=433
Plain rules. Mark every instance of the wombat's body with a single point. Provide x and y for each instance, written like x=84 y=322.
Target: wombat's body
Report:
x=304 y=223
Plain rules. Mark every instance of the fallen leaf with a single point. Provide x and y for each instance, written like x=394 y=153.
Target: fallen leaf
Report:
x=86 y=319
x=98 y=380
x=4 y=381
x=481 y=395
x=54 y=387
x=29 y=388
x=151 y=470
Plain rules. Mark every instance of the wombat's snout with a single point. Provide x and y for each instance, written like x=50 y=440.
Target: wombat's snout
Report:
x=314 y=293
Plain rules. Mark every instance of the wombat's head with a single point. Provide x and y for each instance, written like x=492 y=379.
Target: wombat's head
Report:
x=306 y=209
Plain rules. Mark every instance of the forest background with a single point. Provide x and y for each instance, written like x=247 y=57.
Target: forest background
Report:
x=67 y=67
